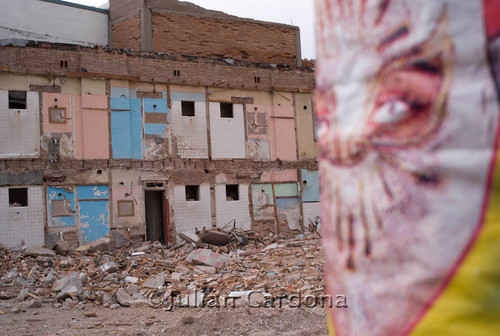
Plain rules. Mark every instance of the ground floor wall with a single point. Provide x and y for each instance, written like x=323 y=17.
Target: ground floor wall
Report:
x=81 y=201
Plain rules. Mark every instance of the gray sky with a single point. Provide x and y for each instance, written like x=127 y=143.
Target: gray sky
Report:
x=296 y=12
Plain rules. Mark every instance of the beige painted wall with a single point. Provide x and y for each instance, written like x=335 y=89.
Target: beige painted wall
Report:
x=307 y=147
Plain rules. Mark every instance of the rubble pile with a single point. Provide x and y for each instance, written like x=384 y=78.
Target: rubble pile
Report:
x=209 y=265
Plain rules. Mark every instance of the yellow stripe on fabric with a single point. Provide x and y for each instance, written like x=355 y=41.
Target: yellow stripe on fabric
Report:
x=330 y=324
x=470 y=305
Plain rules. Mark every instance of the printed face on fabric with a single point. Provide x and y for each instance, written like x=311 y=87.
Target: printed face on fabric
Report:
x=407 y=116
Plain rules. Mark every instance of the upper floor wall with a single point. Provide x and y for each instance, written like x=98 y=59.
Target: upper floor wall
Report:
x=53 y=21
x=186 y=29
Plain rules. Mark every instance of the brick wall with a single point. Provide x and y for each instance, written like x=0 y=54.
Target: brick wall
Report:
x=96 y=62
x=244 y=40
x=127 y=34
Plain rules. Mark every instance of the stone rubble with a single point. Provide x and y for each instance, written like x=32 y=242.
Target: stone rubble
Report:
x=133 y=276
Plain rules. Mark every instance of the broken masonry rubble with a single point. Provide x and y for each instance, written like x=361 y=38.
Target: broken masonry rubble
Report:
x=207 y=265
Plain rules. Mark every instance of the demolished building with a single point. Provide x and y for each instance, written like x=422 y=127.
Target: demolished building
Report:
x=151 y=118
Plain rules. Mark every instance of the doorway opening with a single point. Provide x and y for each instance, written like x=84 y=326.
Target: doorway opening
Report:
x=155 y=220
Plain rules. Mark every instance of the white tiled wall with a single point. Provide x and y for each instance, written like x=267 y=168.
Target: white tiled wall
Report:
x=19 y=129
x=190 y=132
x=227 y=135
x=311 y=210
x=227 y=211
x=18 y=223
x=192 y=214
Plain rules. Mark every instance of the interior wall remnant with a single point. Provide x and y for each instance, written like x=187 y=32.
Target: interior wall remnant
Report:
x=22 y=223
x=53 y=152
x=307 y=147
x=234 y=212
x=192 y=215
x=156 y=127
x=91 y=127
x=126 y=128
x=310 y=185
x=311 y=211
x=227 y=134
x=263 y=202
x=127 y=187
x=282 y=127
x=258 y=132
x=93 y=212
x=61 y=194
x=19 y=128
x=287 y=175
x=189 y=133
x=288 y=206
x=23 y=178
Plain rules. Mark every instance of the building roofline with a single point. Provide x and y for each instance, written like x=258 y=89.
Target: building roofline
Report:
x=75 y=5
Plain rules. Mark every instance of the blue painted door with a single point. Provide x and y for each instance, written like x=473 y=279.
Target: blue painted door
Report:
x=93 y=212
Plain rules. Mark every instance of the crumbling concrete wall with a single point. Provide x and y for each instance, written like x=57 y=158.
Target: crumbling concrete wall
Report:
x=178 y=163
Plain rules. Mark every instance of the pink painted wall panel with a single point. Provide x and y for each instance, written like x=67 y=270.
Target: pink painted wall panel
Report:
x=288 y=175
x=91 y=134
x=283 y=144
x=49 y=100
x=91 y=127
x=281 y=111
x=95 y=102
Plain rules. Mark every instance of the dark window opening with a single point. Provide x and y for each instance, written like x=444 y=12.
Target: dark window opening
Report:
x=18 y=197
x=226 y=110
x=232 y=192
x=177 y=73
x=192 y=193
x=17 y=99
x=154 y=185
x=256 y=79
x=187 y=108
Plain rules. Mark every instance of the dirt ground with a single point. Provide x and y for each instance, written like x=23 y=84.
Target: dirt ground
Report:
x=49 y=321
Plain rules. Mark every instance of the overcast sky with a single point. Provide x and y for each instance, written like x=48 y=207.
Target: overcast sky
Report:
x=296 y=12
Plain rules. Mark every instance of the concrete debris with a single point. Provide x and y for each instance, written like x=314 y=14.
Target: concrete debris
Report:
x=62 y=247
x=110 y=267
x=190 y=237
x=39 y=252
x=155 y=282
x=131 y=279
x=123 y=297
x=207 y=257
x=50 y=240
x=215 y=237
x=133 y=289
x=126 y=277
x=120 y=240
x=73 y=288
x=8 y=277
x=204 y=270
